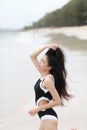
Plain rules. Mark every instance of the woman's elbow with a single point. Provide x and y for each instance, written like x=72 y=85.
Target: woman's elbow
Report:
x=58 y=102
x=31 y=56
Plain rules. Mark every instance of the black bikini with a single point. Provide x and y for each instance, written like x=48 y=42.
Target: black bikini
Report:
x=42 y=93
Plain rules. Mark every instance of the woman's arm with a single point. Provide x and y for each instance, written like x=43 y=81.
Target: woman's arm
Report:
x=35 y=54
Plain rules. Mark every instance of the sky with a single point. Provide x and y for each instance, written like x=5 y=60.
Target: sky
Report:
x=19 y=13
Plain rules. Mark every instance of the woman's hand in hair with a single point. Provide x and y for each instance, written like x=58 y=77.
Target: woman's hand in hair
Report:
x=53 y=46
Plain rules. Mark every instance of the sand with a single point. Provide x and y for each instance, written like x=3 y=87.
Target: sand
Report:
x=77 y=31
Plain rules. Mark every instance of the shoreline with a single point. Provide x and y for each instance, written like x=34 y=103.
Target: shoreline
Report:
x=72 y=38
x=77 y=31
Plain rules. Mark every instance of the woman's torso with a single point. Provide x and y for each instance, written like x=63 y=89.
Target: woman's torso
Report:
x=42 y=95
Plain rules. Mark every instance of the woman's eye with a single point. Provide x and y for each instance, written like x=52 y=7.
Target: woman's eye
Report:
x=42 y=61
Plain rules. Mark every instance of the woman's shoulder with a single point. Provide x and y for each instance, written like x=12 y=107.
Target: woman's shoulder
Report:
x=49 y=79
x=48 y=82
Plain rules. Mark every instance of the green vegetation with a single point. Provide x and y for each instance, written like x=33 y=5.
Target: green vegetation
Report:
x=72 y=14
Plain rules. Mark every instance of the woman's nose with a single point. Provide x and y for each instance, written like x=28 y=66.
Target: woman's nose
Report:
x=39 y=62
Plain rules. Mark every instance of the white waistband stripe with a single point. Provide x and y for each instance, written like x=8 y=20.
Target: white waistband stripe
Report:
x=48 y=117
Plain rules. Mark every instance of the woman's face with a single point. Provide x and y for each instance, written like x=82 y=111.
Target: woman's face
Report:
x=43 y=64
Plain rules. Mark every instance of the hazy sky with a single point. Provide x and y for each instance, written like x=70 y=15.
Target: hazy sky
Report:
x=18 y=13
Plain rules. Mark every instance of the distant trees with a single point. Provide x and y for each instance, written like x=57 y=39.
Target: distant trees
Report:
x=72 y=14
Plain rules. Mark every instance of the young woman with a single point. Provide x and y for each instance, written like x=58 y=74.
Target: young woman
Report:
x=50 y=89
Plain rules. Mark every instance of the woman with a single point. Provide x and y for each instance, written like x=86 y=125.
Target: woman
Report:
x=50 y=89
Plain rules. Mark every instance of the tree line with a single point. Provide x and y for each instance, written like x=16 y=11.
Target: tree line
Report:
x=72 y=14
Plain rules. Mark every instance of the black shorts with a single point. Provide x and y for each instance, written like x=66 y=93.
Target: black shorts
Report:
x=47 y=114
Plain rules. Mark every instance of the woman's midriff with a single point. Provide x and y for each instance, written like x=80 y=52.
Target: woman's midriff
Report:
x=43 y=102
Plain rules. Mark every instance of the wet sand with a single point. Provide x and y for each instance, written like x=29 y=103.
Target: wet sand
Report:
x=73 y=38
x=70 y=42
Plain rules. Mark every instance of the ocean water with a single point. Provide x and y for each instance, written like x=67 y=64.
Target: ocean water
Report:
x=18 y=75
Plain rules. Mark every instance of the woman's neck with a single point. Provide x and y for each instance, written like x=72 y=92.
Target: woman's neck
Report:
x=44 y=74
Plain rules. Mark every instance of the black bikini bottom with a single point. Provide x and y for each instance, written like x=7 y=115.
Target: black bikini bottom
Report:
x=47 y=114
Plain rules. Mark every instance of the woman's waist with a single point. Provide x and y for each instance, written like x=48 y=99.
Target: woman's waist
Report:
x=42 y=101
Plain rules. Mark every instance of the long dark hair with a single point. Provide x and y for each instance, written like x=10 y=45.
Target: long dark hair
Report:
x=56 y=60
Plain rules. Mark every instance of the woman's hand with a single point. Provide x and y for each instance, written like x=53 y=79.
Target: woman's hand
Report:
x=52 y=46
x=33 y=111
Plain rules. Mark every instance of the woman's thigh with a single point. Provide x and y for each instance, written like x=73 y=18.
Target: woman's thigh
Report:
x=41 y=125
x=50 y=124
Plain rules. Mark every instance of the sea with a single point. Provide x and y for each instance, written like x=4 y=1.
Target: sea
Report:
x=18 y=76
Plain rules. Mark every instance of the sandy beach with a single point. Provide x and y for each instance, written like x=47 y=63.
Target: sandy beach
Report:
x=77 y=31
x=73 y=38
x=18 y=76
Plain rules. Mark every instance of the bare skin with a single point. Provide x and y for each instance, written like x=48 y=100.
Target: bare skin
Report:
x=48 y=124
x=48 y=83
